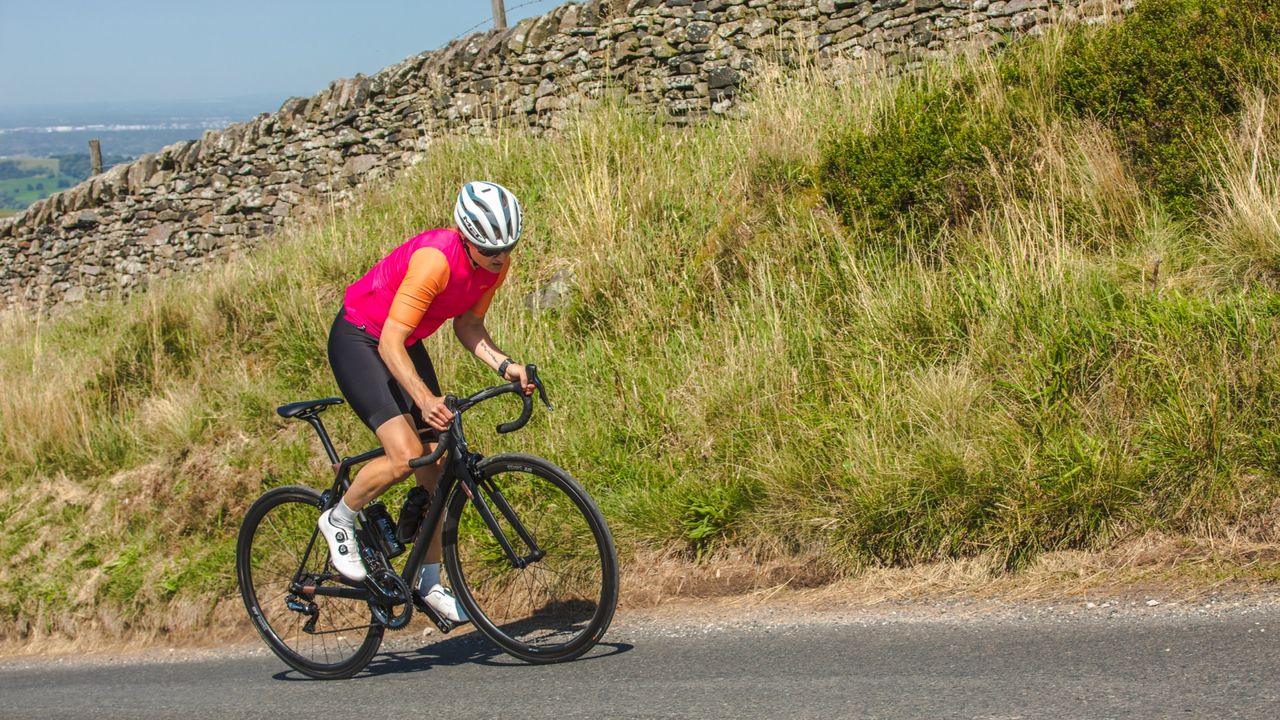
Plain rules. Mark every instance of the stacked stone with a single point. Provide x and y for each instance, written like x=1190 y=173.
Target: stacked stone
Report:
x=196 y=201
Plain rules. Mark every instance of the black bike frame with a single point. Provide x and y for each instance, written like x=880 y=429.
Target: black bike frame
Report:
x=459 y=468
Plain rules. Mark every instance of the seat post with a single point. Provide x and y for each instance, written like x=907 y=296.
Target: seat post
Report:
x=314 y=420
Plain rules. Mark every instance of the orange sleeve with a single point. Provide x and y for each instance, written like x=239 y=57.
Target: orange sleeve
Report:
x=426 y=276
x=482 y=305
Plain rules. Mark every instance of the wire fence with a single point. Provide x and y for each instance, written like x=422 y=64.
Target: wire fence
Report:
x=489 y=19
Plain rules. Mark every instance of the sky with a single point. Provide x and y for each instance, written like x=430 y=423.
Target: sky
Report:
x=58 y=52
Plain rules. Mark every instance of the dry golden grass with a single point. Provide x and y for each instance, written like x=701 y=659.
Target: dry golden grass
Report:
x=1247 y=224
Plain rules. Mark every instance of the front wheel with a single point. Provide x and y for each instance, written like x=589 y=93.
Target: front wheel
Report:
x=281 y=560
x=560 y=604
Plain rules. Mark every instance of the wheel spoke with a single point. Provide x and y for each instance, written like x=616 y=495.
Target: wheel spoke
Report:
x=554 y=604
x=278 y=532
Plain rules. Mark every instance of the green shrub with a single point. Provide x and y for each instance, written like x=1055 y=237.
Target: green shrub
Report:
x=1165 y=76
x=708 y=515
x=924 y=163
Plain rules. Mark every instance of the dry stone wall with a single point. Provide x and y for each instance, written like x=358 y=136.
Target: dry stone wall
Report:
x=197 y=201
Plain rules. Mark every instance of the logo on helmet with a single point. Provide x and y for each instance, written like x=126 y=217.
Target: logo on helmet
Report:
x=472 y=231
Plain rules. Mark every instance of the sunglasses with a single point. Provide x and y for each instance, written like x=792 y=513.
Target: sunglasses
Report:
x=491 y=252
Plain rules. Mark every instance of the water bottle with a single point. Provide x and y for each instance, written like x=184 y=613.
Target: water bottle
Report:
x=382 y=529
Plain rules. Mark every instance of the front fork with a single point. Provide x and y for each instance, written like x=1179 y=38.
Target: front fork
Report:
x=476 y=491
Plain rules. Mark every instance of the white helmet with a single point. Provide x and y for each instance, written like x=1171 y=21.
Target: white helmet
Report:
x=488 y=215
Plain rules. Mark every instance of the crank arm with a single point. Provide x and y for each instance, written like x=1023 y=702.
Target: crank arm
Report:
x=443 y=623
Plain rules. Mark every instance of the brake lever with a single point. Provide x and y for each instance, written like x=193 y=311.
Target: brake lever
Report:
x=532 y=372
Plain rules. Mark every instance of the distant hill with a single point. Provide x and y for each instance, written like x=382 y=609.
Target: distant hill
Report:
x=127 y=142
x=125 y=131
x=23 y=180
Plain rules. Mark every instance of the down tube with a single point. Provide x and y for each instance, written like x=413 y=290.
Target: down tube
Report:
x=435 y=515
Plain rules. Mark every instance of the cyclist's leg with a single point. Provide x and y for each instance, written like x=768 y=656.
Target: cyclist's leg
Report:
x=400 y=439
x=338 y=523
x=428 y=582
x=379 y=401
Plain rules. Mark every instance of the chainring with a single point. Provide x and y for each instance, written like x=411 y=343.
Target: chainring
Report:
x=392 y=586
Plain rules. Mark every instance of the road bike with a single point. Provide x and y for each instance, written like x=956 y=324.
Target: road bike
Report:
x=528 y=554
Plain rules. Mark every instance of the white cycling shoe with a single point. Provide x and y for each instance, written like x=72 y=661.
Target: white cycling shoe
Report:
x=344 y=551
x=441 y=599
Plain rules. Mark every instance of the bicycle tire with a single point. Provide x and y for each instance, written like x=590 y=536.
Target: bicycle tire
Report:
x=556 y=608
x=278 y=532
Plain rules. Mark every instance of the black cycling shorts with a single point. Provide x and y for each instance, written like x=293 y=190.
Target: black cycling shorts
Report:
x=364 y=379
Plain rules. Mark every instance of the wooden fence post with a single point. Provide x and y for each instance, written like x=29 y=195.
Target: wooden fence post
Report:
x=499 y=15
x=95 y=157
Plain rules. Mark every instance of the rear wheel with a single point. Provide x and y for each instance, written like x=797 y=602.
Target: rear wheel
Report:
x=560 y=604
x=280 y=559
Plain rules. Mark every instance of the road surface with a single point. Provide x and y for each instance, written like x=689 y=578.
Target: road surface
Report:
x=1183 y=665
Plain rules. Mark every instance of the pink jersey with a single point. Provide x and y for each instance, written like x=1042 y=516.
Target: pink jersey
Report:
x=369 y=300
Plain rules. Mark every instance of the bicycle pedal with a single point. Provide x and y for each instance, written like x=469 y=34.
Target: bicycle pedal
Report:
x=443 y=623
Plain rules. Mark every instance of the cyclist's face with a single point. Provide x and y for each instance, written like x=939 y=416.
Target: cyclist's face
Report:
x=492 y=263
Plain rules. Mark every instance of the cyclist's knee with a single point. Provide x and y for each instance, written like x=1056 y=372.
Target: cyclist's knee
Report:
x=400 y=464
x=401 y=444
x=400 y=454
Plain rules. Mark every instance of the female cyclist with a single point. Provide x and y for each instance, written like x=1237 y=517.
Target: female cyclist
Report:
x=384 y=372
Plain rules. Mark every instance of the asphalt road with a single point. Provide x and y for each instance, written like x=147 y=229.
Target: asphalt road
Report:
x=1030 y=667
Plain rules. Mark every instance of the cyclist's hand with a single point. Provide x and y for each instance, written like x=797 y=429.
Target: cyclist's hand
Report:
x=519 y=372
x=434 y=411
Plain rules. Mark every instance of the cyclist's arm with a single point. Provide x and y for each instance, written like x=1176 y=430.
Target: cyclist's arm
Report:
x=474 y=336
x=425 y=277
x=471 y=332
x=393 y=352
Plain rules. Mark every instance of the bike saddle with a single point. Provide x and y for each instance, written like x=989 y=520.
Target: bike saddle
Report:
x=306 y=406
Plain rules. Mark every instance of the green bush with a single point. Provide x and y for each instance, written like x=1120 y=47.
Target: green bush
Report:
x=1164 y=77
x=708 y=515
x=922 y=166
